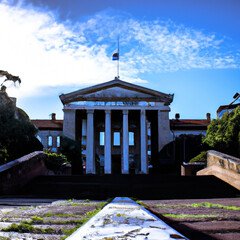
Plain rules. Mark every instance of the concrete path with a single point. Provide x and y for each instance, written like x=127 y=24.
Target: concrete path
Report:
x=125 y=219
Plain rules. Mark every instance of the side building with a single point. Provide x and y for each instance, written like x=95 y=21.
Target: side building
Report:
x=180 y=126
x=49 y=132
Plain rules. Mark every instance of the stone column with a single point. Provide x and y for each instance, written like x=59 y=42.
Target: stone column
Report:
x=125 y=155
x=90 y=153
x=144 y=159
x=107 y=144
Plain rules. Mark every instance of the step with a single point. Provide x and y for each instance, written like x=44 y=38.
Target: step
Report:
x=143 y=187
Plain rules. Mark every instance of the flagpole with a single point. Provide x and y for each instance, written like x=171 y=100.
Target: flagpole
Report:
x=115 y=57
x=118 y=60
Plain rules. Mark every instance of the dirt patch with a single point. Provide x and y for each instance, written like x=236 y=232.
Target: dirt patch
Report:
x=200 y=218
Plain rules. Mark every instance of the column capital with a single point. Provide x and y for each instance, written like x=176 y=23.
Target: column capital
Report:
x=125 y=112
x=90 y=111
x=143 y=111
x=108 y=111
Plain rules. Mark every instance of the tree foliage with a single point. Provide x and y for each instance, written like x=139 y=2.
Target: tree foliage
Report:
x=55 y=162
x=17 y=135
x=224 y=134
x=72 y=150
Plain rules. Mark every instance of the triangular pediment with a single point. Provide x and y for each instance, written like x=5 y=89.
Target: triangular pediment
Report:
x=116 y=90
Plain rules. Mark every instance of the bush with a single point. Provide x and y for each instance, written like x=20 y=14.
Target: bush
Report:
x=55 y=162
x=3 y=155
x=72 y=150
x=202 y=157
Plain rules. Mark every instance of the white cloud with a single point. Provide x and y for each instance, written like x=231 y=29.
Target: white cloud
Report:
x=47 y=53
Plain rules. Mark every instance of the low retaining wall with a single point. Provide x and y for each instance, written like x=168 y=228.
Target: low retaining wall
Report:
x=191 y=169
x=223 y=166
x=17 y=173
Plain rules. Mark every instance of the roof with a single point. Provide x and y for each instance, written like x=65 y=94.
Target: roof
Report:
x=189 y=124
x=87 y=94
x=43 y=124
x=175 y=124
x=229 y=106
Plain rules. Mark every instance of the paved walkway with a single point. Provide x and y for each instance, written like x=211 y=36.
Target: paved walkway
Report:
x=125 y=219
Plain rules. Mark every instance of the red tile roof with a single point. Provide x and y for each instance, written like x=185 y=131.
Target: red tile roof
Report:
x=43 y=124
x=189 y=124
x=180 y=124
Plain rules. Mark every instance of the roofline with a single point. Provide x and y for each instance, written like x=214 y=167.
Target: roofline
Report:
x=67 y=98
x=229 y=106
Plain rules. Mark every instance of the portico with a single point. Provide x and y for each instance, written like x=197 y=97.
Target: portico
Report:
x=120 y=125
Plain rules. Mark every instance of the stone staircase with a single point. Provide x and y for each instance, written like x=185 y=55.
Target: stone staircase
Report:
x=224 y=167
x=138 y=186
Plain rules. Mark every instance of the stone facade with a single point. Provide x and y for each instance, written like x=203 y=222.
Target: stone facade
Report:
x=122 y=125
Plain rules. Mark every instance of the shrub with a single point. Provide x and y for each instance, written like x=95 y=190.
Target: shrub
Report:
x=72 y=150
x=202 y=157
x=55 y=162
x=3 y=155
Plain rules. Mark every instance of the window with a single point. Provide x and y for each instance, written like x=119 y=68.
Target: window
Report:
x=50 y=141
x=58 y=141
x=116 y=138
x=101 y=138
x=131 y=138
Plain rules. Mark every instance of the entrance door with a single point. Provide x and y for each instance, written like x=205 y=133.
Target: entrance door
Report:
x=116 y=164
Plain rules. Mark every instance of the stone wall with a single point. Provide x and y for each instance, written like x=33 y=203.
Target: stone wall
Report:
x=223 y=166
x=69 y=124
x=223 y=160
x=191 y=169
x=164 y=133
x=17 y=173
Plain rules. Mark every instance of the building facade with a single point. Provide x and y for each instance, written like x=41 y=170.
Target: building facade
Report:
x=49 y=132
x=120 y=125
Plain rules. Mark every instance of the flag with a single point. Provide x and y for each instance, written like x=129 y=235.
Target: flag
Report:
x=115 y=56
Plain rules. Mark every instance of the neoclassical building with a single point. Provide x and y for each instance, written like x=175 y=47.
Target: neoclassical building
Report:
x=121 y=126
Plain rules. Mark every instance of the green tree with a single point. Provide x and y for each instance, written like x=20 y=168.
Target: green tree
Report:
x=17 y=135
x=224 y=134
x=72 y=150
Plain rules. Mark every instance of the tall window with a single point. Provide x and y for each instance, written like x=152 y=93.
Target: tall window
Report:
x=116 y=138
x=101 y=138
x=131 y=138
x=50 y=141
x=58 y=141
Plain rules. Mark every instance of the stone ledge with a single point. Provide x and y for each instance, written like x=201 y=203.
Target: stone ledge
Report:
x=223 y=166
x=223 y=160
x=17 y=173
x=125 y=219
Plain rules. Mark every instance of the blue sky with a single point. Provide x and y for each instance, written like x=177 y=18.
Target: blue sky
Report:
x=187 y=47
